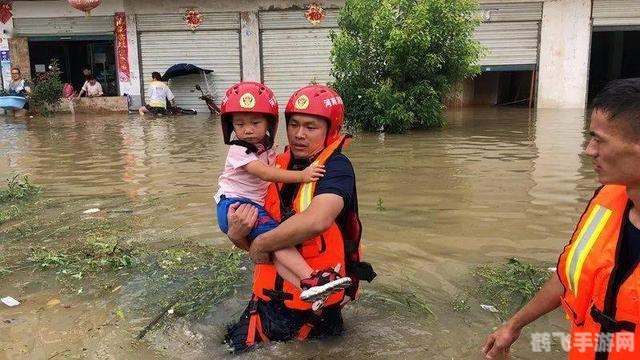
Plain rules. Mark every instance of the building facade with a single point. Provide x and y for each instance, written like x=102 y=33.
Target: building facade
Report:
x=557 y=52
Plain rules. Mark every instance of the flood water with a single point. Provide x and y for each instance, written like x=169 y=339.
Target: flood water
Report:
x=494 y=184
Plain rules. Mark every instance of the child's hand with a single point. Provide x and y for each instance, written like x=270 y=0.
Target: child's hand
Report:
x=313 y=172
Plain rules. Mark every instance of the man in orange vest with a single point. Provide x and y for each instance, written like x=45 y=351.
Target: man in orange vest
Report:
x=597 y=280
x=319 y=218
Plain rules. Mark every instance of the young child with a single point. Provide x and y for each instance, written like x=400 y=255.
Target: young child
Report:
x=250 y=112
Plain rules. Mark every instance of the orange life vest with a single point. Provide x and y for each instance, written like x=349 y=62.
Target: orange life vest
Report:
x=600 y=313
x=321 y=252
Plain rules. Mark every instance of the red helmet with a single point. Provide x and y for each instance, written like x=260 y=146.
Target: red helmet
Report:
x=321 y=101
x=249 y=97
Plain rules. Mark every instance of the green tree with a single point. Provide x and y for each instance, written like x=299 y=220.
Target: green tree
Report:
x=395 y=61
x=47 y=90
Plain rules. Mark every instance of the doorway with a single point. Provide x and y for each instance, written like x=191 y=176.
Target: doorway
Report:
x=614 y=55
x=74 y=55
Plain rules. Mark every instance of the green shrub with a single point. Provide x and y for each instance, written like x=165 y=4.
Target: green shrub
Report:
x=395 y=61
x=47 y=90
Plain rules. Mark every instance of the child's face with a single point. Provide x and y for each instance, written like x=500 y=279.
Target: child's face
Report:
x=249 y=127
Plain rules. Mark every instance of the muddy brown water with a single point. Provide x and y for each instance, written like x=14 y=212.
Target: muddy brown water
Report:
x=495 y=183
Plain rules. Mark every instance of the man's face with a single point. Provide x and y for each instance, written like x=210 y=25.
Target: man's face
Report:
x=616 y=156
x=306 y=135
x=15 y=74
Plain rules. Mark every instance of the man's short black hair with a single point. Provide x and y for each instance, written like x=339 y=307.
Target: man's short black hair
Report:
x=620 y=100
x=156 y=76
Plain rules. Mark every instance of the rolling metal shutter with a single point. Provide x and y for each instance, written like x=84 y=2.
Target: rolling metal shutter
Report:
x=509 y=43
x=294 y=52
x=85 y=25
x=510 y=34
x=616 y=13
x=165 y=41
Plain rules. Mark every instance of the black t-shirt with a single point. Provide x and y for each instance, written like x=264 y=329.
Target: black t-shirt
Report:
x=339 y=179
x=629 y=252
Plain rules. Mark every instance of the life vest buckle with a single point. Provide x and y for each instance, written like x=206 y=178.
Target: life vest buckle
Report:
x=609 y=324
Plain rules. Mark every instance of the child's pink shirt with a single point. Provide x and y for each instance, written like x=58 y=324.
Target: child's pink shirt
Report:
x=235 y=181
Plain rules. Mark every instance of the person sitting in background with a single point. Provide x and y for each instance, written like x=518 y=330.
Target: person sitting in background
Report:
x=91 y=87
x=159 y=93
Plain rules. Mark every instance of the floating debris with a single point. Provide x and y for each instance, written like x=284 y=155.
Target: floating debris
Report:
x=9 y=301
x=53 y=302
x=91 y=211
x=490 y=308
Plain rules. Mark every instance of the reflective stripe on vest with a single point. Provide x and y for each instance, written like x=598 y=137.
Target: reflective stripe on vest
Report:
x=590 y=231
x=306 y=191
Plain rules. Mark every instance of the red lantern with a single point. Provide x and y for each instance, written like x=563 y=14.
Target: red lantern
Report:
x=85 y=5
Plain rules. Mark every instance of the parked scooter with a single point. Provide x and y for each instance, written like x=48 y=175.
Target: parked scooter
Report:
x=208 y=99
x=183 y=69
x=176 y=110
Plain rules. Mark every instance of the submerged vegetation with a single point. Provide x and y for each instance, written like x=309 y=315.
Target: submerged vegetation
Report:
x=18 y=189
x=403 y=295
x=508 y=286
x=101 y=252
x=16 y=197
x=94 y=256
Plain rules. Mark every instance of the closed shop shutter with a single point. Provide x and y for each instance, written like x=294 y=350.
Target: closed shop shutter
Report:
x=509 y=43
x=295 y=52
x=616 y=13
x=165 y=41
x=85 y=25
x=510 y=34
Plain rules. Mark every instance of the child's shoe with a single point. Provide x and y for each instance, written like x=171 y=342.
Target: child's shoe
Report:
x=321 y=284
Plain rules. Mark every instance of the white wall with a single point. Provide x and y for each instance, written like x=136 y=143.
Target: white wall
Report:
x=170 y=6
x=61 y=8
x=565 y=42
x=250 y=43
x=132 y=87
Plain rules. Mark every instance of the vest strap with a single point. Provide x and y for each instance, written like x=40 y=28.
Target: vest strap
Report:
x=611 y=325
x=276 y=295
x=305 y=329
x=255 y=324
